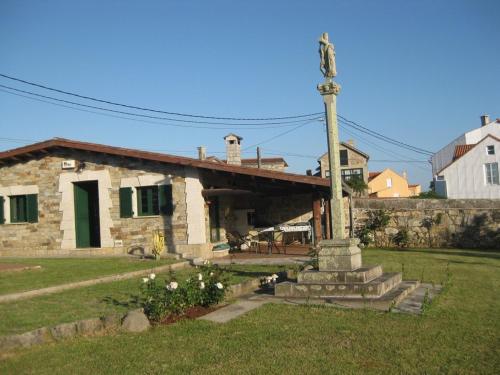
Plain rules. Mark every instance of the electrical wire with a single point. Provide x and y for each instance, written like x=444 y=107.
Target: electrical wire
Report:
x=261 y=125
x=156 y=110
x=382 y=137
x=140 y=120
x=278 y=135
x=381 y=149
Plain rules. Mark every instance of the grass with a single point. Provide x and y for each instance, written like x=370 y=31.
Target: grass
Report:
x=93 y=301
x=57 y=271
x=458 y=334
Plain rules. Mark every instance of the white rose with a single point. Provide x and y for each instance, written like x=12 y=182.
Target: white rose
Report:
x=219 y=285
x=145 y=279
x=211 y=273
x=200 y=276
x=152 y=276
x=268 y=279
x=202 y=285
x=172 y=286
x=274 y=277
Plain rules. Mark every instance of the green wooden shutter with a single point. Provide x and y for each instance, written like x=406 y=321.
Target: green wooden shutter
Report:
x=32 y=208
x=2 y=215
x=165 y=199
x=126 y=202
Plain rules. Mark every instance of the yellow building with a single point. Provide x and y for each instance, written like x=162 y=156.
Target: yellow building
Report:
x=389 y=184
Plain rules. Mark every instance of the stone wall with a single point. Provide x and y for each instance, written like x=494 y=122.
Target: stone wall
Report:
x=466 y=223
x=45 y=237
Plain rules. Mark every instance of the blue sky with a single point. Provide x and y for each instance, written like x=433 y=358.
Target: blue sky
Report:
x=419 y=71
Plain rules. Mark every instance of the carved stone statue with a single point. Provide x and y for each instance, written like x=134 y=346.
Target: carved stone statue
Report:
x=327 y=54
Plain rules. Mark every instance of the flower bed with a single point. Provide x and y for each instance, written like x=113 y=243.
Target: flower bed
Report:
x=174 y=299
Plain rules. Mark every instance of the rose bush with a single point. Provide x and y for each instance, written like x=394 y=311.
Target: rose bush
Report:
x=206 y=288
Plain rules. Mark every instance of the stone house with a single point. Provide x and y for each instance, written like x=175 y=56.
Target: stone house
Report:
x=353 y=163
x=65 y=197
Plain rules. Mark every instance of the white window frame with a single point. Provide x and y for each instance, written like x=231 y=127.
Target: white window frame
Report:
x=490 y=180
x=388 y=182
x=488 y=149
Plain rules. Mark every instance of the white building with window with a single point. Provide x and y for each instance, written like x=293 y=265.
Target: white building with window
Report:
x=471 y=170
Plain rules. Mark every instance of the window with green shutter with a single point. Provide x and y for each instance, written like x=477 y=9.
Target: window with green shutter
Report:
x=126 y=202
x=166 y=200
x=18 y=209
x=32 y=208
x=148 y=201
x=24 y=208
x=2 y=214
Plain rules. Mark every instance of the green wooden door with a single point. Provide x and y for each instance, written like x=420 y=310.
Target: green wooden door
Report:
x=82 y=216
x=87 y=214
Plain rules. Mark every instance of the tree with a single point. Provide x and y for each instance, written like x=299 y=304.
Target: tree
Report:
x=357 y=184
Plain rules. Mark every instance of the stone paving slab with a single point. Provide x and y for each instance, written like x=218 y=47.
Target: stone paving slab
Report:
x=414 y=302
x=233 y=310
x=80 y=284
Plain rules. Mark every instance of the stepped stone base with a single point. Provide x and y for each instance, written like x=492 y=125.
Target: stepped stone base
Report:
x=374 y=288
x=341 y=279
x=361 y=275
x=342 y=255
x=385 y=303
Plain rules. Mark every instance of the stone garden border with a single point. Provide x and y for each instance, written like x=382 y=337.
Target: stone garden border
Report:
x=100 y=280
x=108 y=323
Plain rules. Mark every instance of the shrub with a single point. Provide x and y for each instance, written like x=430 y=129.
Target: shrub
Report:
x=206 y=288
x=377 y=220
x=401 y=239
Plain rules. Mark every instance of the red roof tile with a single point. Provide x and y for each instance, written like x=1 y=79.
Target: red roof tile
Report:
x=165 y=158
x=461 y=150
x=372 y=175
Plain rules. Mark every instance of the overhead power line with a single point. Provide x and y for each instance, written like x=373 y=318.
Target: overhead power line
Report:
x=155 y=110
x=278 y=135
x=242 y=125
x=382 y=149
x=382 y=137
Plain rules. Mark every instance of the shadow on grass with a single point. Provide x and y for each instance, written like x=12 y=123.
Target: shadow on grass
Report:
x=132 y=302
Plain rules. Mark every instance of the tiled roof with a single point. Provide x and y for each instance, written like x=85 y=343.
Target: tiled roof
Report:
x=462 y=154
x=54 y=143
x=372 y=175
x=461 y=150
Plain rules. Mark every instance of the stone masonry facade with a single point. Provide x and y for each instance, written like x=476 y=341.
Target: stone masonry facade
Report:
x=464 y=223
x=45 y=237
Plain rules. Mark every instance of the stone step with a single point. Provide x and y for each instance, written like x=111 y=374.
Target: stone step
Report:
x=389 y=301
x=375 y=288
x=361 y=275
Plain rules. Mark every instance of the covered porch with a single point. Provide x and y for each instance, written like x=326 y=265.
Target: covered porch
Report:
x=273 y=216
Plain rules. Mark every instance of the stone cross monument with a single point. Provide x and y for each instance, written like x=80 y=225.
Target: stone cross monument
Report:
x=329 y=90
x=340 y=275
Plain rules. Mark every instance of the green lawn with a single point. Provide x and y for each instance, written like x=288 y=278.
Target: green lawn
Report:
x=93 y=301
x=57 y=271
x=458 y=334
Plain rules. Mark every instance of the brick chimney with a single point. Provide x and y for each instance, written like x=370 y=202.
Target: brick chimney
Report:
x=233 y=149
x=485 y=120
x=202 y=152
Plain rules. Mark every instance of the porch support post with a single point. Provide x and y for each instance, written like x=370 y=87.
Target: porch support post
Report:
x=318 y=236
